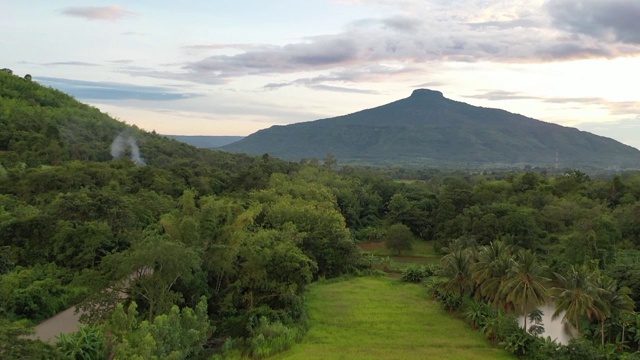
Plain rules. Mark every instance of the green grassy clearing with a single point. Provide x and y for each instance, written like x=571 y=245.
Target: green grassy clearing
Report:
x=382 y=318
x=422 y=254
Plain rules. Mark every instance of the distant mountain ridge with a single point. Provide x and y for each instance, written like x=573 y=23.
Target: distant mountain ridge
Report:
x=429 y=129
x=205 y=141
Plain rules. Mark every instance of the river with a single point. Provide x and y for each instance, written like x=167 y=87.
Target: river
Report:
x=557 y=329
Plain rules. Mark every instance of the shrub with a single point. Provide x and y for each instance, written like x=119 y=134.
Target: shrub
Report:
x=86 y=343
x=414 y=273
x=272 y=337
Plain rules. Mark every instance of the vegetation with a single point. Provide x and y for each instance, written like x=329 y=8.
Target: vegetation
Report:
x=390 y=320
x=207 y=142
x=202 y=253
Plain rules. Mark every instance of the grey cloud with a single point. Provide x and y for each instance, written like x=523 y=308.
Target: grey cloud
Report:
x=70 y=63
x=342 y=89
x=402 y=24
x=321 y=87
x=365 y=73
x=614 y=107
x=510 y=24
x=430 y=84
x=613 y=20
x=122 y=61
x=320 y=53
x=406 y=40
x=223 y=47
x=109 y=13
x=112 y=91
x=571 y=50
x=496 y=95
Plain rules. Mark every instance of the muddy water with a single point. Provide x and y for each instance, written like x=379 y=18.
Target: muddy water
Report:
x=557 y=329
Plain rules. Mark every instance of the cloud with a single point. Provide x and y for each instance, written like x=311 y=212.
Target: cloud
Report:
x=610 y=20
x=417 y=36
x=614 y=107
x=70 y=63
x=374 y=73
x=90 y=90
x=108 y=13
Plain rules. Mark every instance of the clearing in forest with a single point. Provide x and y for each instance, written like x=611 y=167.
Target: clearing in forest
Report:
x=383 y=318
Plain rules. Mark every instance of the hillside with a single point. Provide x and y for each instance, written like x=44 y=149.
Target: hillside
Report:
x=429 y=129
x=43 y=126
x=203 y=141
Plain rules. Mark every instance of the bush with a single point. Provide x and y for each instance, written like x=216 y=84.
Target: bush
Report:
x=86 y=343
x=272 y=337
x=416 y=273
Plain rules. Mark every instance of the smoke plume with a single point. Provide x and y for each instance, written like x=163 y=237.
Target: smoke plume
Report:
x=125 y=141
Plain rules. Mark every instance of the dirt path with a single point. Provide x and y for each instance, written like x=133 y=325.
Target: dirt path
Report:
x=63 y=323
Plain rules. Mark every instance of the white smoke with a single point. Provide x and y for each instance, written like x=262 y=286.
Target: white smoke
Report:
x=119 y=147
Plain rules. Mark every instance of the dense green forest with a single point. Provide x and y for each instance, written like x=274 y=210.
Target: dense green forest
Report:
x=192 y=253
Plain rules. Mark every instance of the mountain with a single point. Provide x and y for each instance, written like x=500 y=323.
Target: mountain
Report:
x=429 y=129
x=207 y=142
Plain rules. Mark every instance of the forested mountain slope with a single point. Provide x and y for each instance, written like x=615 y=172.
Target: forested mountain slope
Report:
x=429 y=129
x=87 y=201
x=207 y=142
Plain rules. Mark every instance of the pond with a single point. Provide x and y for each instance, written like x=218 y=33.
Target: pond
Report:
x=557 y=329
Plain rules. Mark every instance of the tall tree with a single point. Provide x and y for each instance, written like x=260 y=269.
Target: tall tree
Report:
x=491 y=270
x=525 y=285
x=612 y=301
x=456 y=267
x=575 y=295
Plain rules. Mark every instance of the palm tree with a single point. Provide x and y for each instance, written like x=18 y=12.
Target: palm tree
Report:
x=456 y=268
x=490 y=272
x=525 y=286
x=611 y=300
x=576 y=296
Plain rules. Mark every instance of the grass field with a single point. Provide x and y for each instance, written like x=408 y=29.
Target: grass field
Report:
x=383 y=318
x=422 y=254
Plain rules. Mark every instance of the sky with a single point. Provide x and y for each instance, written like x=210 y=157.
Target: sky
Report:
x=234 y=67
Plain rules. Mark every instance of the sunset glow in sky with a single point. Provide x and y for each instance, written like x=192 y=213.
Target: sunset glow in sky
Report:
x=234 y=67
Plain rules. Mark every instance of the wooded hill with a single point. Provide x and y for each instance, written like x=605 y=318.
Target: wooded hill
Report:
x=429 y=129
x=204 y=141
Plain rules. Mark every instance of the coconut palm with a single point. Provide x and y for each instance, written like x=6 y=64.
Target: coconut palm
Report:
x=611 y=300
x=576 y=295
x=456 y=268
x=525 y=286
x=490 y=272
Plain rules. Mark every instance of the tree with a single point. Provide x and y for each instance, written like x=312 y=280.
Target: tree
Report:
x=152 y=267
x=15 y=345
x=612 y=301
x=576 y=295
x=178 y=334
x=399 y=238
x=456 y=268
x=525 y=286
x=490 y=272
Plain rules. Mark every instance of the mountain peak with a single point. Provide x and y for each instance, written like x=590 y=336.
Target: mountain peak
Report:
x=426 y=94
x=427 y=129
